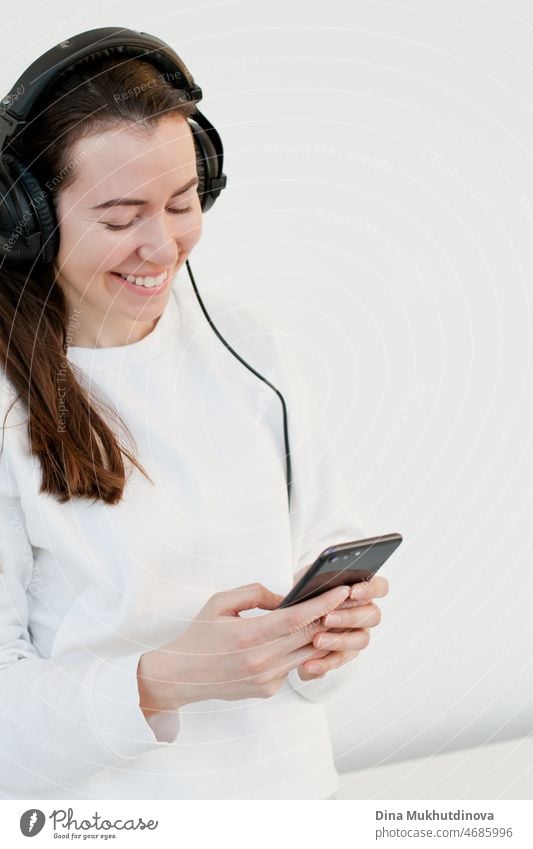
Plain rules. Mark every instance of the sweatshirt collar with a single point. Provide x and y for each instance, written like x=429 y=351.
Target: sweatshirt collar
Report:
x=123 y=356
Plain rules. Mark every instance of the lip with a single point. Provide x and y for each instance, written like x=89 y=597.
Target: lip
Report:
x=134 y=274
x=140 y=290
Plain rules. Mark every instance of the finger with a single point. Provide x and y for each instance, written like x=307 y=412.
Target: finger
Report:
x=377 y=587
x=304 y=674
x=366 y=616
x=280 y=645
x=298 y=657
x=335 y=659
x=343 y=640
x=233 y=601
x=287 y=621
x=353 y=603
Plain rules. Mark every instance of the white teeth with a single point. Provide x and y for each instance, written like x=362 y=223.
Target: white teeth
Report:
x=147 y=282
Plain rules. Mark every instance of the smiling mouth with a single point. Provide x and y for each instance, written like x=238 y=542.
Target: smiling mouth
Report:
x=144 y=282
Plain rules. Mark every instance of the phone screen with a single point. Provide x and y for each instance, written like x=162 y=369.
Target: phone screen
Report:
x=348 y=563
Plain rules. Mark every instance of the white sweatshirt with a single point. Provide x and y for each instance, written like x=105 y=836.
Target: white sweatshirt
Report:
x=86 y=588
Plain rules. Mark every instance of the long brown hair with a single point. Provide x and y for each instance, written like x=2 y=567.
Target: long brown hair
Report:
x=84 y=458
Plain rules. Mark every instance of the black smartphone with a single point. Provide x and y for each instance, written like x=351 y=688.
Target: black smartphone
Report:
x=347 y=563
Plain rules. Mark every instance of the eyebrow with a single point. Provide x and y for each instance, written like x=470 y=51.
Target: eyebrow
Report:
x=139 y=202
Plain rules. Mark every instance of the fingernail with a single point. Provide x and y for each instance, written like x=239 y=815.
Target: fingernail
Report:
x=332 y=619
x=359 y=591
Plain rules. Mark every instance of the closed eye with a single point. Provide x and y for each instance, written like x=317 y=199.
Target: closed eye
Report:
x=125 y=226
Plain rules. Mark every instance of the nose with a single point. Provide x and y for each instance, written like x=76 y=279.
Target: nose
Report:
x=158 y=243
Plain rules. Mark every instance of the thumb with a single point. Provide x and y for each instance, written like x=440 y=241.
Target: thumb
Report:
x=245 y=598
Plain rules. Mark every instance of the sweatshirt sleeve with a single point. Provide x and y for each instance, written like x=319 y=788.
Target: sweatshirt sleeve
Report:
x=59 y=723
x=323 y=511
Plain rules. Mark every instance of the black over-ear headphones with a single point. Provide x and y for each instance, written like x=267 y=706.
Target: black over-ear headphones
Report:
x=28 y=225
x=25 y=203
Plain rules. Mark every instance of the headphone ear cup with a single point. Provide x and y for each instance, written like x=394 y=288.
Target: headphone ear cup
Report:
x=201 y=168
x=207 y=164
x=27 y=215
x=13 y=216
x=8 y=210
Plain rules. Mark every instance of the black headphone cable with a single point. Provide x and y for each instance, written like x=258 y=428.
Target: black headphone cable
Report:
x=260 y=376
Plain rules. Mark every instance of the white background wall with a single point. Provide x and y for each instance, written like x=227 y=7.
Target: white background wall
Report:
x=379 y=215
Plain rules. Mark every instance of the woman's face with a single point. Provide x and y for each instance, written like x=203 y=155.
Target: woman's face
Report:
x=100 y=239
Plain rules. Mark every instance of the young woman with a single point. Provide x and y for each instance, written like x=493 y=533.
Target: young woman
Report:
x=145 y=539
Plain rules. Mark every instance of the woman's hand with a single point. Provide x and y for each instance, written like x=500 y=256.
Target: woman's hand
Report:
x=221 y=655
x=349 y=632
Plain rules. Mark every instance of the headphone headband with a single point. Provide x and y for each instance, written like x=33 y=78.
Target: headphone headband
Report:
x=106 y=41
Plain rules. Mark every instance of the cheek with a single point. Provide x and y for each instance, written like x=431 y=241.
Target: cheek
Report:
x=94 y=251
x=193 y=232
x=81 y=244
x=191 y=229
